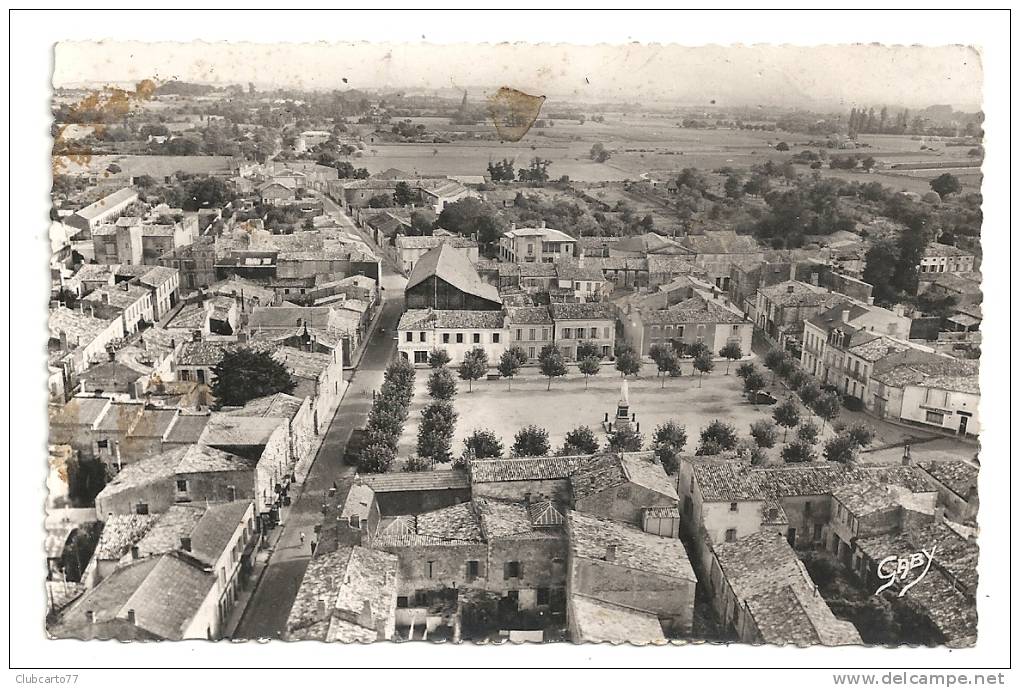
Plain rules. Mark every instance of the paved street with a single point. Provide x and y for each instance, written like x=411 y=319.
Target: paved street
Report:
x=270 y=604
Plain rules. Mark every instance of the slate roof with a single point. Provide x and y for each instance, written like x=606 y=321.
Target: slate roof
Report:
x=590 y=537
x=453 y=267
x=582 y=311
x=959 y=476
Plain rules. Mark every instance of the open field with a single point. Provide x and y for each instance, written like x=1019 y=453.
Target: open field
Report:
x=491 y=406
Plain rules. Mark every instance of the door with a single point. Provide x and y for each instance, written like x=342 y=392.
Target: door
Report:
x=791 y=536
x=963 y=424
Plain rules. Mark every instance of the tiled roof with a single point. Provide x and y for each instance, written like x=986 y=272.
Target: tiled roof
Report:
x=412 y=482
x=201 y=353
x=597 y=621
x=955 y=282
x=120 y=532
x=648 y=474
x=926 y=369
x=187 y=428
x=503 y=519
x=452 y=525
x=544 y=514
x=862 y=499
x=125 y=195
x=591 y=537
x=79 y=411
x=958 y=476
x=428 y=319
x=279 y=405
x=661 y=511
x=577 y=273
x=528 y=315
x=693 y=310
x=878 y=348
x=165 y=534
x=720 y=242
x=582 y=311
x=215 y=530
x=794 y=293
x=227 y=430
x=120 y=297
x=358 y=502
x=672 y=265
x=528 y=468
x=453 y=267
x=105 y=601
x=169 y=597
x=305 y=364
x=429 y=242
x=727 y=481
x=763 y=565
x=937 y=250
x=153 y=422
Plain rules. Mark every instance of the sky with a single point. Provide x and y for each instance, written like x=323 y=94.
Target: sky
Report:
x=820 y=77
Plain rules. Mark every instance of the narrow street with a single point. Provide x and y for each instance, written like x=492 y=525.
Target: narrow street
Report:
x=267 y=611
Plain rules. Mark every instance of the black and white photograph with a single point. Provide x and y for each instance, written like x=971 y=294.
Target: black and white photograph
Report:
x=670 y=345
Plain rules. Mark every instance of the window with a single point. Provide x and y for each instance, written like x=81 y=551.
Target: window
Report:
x=934 y=417
x=182 y=485
x=733 y=506
x=543 y=596
x=421 y=336
x=476 y=338
x=402 y=602
x=231 y=493
x=513 y=596
x=428 y=568
x=142 y=509
x=731 y=535
x=421 y=356
x=511 y=569
x=818 y=532
x=472 y=570
x=566 y=333
x=103 y=444
x=594 y=333
x=531 y=334
x=446 y=338
x=807 y=507
x=354 y=521
x=495 y=337
x=520 y=333
x=545 y=333
x=460 y=337
x=409 y=337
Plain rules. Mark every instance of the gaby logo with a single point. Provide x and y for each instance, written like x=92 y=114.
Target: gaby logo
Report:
x=895 y=569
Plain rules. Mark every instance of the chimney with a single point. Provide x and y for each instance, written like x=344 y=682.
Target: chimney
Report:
x=320 y=608
x=63 y=340
x=542 y=224
x=134 y=551
x=906 y=455
x=90 y=617
x=105 y=297
x=611 y=553
x=513 y=226
x=186 y=544
x=131 y=616
x=844 y=315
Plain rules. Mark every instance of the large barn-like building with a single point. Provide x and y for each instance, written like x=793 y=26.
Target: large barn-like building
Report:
x=444 y=279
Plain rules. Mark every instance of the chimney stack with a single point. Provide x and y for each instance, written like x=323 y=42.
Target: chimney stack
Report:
x=131 y=616
x=186 y=544
x=90 y=617
x=844 y=315
x=611 y=553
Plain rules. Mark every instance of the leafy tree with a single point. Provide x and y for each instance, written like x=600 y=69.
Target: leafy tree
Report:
x=787 y=414
x=439 y=358
x=754 y=383
x=668 y=456
x=723 y=434
x=842 y=448
x=862 y=434
x=709 y=448
x=764 y=433
x=586 y=349
x=375 y=458
x=509 y=365
x=880 y=263
x=244 y=374
x=745 y=369
x=798 y=452
x=627 y=361
x=774 y=358
x=797 y=378
x=531 y=440
x=809 y=391
x=734 y=187
x=786 y=368
x=589 y=366
x=483 y=444
x=827 y=406
x=703 y=364
x=85 y=479
x=474 y=366
x=668 y=363
x=550 y=362
x=731 y=352
x=402 y=194
x=672 y=433
x=625 y=439
x=808 y=432
x=599 y=153
x=697 y=349
x=782 y=146
x=435 y=432
x=580 y=440
x=757 y=456
x=78 y=550
x=441 y=385
x=945 y=184
x=417 y=464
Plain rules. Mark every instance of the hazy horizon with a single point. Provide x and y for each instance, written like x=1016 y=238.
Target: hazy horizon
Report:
x=711 y=76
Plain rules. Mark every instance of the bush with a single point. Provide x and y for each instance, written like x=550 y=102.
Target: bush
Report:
x=580 y=440
x=417 y=464
x=764 y=433
x=808 y=432
x=483 y=444
x=375 y=458
x=798 y=452
x=852 y=403
x=531 y=440
x=720 y=433
x=441 y=385
x=626 y=439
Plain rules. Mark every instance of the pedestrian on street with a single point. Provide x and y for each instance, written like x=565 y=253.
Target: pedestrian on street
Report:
x=302 y=538
x=313 y=547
